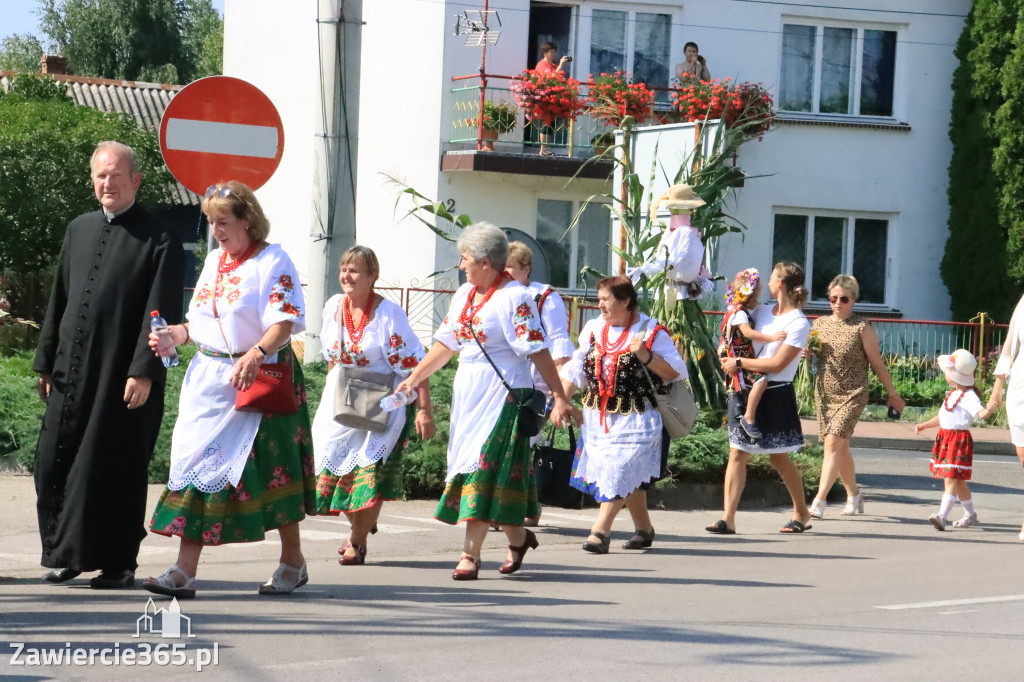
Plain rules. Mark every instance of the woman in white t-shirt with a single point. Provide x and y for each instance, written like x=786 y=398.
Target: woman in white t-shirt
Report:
x=777 y=416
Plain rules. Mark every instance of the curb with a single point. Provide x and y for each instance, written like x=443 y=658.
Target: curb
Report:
x=981 y=447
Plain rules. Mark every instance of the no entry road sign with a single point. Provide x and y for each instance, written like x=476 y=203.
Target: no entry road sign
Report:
x=221 y=128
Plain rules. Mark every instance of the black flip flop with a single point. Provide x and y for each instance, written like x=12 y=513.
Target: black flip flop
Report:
x=795 y=526
x=720 y=528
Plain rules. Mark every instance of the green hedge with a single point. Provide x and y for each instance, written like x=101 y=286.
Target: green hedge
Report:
x=701 y=457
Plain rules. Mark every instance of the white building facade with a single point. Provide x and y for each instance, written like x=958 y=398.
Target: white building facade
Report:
x=855 y=172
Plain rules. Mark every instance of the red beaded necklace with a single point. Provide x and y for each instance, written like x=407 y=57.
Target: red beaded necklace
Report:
x=469 y=310
x=945 y=401
x=223 y=266
x=355 y=334
x=606 y=371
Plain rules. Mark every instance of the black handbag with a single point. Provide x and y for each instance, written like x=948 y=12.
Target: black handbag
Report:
x=532 y=408
x=553 y=469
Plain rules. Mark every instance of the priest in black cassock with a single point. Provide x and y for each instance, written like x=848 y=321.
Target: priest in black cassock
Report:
x=103 y=386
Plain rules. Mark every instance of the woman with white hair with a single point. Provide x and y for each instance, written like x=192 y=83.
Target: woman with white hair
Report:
x=490 y=477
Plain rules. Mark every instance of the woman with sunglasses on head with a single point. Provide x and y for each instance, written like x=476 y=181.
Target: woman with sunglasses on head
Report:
x=235 y=475
x=849 y=346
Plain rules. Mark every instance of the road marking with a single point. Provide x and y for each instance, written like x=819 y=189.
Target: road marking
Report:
x=952 y=602
x=419 y=519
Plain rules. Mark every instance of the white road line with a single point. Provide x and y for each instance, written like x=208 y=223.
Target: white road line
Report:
x=418 y=519
x=236 y=139
x=952 y=602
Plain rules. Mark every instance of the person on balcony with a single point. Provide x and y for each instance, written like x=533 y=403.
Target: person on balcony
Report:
x=694 y=66
x=547 y=64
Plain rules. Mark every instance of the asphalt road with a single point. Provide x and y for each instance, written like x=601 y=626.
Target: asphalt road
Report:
x=881 y=596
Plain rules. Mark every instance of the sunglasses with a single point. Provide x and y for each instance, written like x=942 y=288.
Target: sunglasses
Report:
x=222 y=192
x=839 y=299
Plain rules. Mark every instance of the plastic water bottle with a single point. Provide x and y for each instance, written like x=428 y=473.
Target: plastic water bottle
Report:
x=164 y=344
x=392 y=402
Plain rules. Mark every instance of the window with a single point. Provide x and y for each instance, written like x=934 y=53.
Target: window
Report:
x=586 y=244
x=837 y=70
x=634 y=42
x=828 y=245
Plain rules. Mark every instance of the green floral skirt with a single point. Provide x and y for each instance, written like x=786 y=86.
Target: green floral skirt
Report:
x=277 y=486
x=502 y=489
x=379 y=482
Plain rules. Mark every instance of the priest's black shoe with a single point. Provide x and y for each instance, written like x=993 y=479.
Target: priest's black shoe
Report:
x=60 y=575
x=113 y=580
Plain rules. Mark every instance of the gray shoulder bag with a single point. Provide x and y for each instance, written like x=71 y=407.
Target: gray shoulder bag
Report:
x=359 y=391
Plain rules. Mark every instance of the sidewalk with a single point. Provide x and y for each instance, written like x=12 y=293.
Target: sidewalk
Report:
x=899 y=435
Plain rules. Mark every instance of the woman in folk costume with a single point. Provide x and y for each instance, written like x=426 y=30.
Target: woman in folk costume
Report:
x=359 y=469
x=680 y=252
x=624 y=439
x=553 y=320
x=235 y=475
x=490 y=469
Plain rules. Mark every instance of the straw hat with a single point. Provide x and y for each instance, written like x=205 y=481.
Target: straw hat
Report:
x=959 y=366
x=678 y=197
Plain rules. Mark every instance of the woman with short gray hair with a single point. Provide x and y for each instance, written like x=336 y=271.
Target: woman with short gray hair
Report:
x=490 y=467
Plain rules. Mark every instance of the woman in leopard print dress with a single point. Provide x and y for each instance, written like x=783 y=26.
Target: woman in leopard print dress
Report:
x=849 y=346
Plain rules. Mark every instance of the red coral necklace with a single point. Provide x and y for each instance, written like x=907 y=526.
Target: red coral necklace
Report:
x=469 y=310
x=606 y=370
x=945 y=401
x=223 y=265
x=355 y=334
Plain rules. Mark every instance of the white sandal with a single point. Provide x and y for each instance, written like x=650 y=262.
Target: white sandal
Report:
x=817 y=510
x=279 y=585
x=166 y=585
x=854 y=505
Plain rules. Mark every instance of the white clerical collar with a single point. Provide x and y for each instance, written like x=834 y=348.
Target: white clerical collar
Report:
x=110 y=216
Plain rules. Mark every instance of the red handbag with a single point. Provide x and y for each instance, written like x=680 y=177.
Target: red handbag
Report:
x=271 y=393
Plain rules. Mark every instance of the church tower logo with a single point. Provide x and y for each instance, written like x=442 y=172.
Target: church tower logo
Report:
x=172 y=623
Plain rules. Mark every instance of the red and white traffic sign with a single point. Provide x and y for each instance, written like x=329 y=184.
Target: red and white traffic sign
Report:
x=221 y=128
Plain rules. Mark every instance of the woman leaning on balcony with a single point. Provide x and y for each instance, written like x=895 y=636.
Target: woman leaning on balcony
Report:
x=490 y=467
x=848 y=346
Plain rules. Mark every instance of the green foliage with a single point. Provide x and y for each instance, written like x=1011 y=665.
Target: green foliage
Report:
x=20 y=52
x=166 y=41
x=21 y=410
x=46 y=143
x=975 y=273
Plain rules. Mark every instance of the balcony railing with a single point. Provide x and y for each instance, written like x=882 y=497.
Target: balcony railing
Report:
x=581 y=138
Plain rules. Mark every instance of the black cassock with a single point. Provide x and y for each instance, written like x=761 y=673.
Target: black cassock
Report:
x=93 y=452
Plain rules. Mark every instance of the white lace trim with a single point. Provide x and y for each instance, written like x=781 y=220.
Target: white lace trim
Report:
x=629 y=454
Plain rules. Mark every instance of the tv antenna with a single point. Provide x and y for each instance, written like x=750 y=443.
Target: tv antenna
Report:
x=475 y=25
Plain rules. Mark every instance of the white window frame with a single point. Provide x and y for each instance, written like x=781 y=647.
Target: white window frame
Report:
x=848 y=247
x=858 y=58
x=574 y=266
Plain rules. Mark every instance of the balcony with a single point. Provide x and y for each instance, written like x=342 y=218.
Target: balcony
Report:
x=572 y=143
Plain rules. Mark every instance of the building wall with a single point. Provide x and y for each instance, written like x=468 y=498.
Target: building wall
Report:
x=273 y=45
